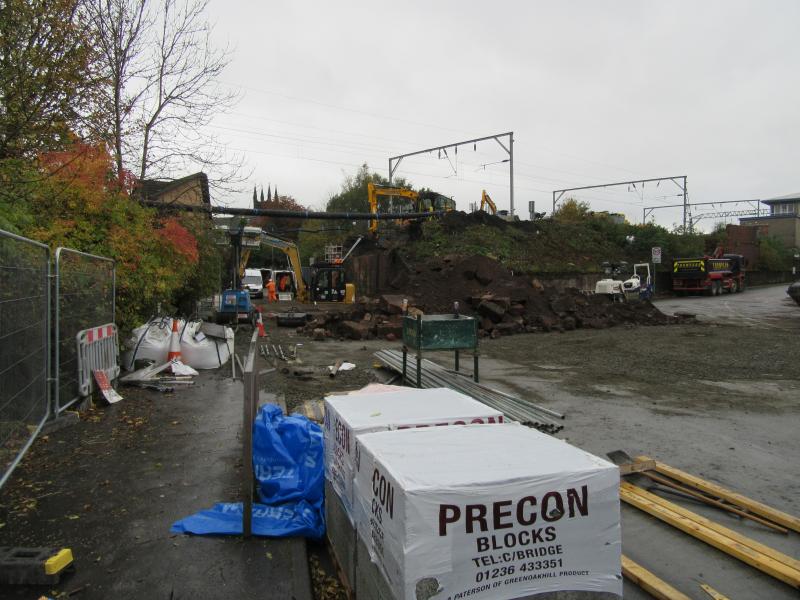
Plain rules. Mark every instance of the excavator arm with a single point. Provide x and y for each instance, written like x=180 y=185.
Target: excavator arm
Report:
x=244 y=257
x=293 y=254
x=373 y=192
x=487 y=201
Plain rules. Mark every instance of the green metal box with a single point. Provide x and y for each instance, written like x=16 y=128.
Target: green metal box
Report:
x=440 y=332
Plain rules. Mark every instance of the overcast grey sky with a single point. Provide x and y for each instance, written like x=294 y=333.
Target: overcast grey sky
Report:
x=595 y=92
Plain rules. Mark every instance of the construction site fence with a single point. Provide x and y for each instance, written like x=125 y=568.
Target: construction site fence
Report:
x=46 y=299
x=84 y=297
x=24 y=346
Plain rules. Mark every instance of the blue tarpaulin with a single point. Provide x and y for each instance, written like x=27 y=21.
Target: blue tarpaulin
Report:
x=288 y=457
x=225 y=518
x=288 y=463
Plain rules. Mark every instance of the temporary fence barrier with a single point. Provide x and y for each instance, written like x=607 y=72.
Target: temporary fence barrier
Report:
x=24 y=346
x=50 y=339
x=85 y=288
x=98 y=350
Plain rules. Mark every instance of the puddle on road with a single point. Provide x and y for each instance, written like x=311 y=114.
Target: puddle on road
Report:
x=784 y=390
x=615 y=390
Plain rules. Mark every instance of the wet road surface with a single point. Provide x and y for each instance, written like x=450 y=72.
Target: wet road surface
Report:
x=762 y=306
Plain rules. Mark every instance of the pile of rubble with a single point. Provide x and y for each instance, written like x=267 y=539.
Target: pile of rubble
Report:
x=381 y=318
x=503 y=302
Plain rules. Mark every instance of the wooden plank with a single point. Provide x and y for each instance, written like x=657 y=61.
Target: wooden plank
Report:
x=712 y=592
x=650 y=583
x=702 y=497
x=637 y=467
x=758 y=508
x=658 y=508
x=721 y=529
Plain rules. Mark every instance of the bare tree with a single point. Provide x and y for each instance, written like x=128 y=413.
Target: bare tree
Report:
x=120 y=28
x=182 y=95
x=162 y=89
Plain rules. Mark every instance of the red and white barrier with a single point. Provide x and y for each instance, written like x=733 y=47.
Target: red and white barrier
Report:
x=98 y=350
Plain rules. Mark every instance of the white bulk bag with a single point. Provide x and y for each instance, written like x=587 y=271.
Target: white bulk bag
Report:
x=149 y=342
x=204 y=352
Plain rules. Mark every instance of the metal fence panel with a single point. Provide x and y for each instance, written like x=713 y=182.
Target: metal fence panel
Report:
x=24 y=346
x=84 y=298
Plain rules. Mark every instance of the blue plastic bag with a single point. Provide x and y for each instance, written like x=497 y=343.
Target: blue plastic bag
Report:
x=225 y=518
x=288 y=462
x=288 y=457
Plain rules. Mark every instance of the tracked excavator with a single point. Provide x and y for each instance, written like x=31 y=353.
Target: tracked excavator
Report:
x=424 y=201
x=488 y=203
x=327 y=282
x=488 y=206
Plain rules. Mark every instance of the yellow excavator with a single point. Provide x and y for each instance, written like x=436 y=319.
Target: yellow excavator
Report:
x=425 y=201
x=327 y=282
x=487 y=202
x=488 y=206
x=373 y=192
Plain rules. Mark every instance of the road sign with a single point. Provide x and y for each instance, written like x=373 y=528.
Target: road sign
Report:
x=656 y=253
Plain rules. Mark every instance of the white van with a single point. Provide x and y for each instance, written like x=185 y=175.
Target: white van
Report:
x=253 y=283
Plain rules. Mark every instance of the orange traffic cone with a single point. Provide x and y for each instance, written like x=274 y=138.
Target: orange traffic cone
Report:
x=260 y=323
x=174 y=343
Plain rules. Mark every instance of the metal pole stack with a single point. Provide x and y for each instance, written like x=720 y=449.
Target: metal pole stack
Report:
x=435 y=376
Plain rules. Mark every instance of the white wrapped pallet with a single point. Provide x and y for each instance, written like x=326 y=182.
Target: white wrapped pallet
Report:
x=483 y=512
x=348 y=416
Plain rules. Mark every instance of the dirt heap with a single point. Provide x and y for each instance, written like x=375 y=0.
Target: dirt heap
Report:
x=505 y=303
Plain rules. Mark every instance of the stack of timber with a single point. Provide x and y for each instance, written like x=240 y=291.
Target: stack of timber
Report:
x=751 y=552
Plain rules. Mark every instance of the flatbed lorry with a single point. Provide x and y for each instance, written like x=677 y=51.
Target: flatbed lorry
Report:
x=709 y=275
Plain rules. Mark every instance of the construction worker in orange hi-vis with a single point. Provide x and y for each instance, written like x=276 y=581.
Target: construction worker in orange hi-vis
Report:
x=271 y=295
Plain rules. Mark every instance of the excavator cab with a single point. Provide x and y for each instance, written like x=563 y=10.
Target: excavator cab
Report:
x=328 y=284
x=429 y=201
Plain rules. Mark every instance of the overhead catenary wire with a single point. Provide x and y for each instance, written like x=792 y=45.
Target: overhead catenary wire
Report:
x=386 y=117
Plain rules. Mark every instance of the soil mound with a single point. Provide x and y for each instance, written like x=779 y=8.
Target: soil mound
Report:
x=458 y=221
x=516 y=302
x=503 y=302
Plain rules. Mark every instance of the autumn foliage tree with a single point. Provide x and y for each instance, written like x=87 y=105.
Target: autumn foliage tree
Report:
x=85 y=84
x=77 y=202
x=47 y=75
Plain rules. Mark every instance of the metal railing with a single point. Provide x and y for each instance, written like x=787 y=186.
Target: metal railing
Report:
x=84 y=297
x=250 y=405
x=24 y=346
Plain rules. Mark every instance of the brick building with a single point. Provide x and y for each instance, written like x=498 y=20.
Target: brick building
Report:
x=783 y=220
